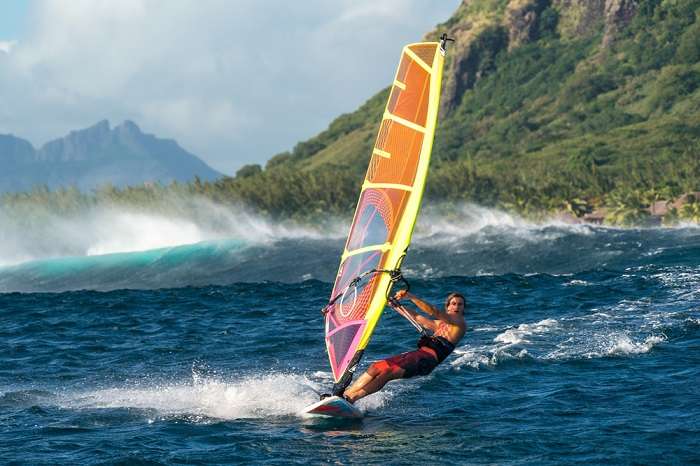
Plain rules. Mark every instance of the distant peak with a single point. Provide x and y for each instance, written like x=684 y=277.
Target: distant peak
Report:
x=129 y=126
x=102 y=125
x=99 y=128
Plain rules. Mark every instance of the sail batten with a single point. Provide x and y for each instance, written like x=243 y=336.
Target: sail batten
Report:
x=402 y=187
x=381 y=153
x=388 y=206
x=417 y=60
x=374 y=247
x=403 y=121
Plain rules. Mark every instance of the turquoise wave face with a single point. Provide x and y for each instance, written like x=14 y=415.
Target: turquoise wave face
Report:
x=143 y=269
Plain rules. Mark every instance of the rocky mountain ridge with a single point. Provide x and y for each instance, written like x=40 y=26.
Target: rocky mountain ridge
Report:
x=481 y=33
x=96 y=156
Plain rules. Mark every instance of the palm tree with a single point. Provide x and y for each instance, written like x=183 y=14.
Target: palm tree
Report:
x=627 y=208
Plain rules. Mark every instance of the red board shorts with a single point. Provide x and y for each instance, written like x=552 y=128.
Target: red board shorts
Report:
x=418 y=362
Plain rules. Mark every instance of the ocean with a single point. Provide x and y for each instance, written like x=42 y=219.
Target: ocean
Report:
x=151 y=340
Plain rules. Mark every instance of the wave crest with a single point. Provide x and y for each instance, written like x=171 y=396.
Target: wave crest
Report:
x=114 y=229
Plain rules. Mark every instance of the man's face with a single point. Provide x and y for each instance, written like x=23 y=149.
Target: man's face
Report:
x=455 y=306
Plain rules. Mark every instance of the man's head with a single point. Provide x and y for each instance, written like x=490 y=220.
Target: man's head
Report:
x=455 y=303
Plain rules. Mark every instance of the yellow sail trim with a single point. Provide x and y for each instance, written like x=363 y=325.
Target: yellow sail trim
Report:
x=418 y=60
x=400 y=85
x=398 y=119
x=381 y=153
x=407 y=223
x=375 y=247
x=370 y=185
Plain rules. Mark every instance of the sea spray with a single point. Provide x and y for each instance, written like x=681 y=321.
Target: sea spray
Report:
x=107 y=229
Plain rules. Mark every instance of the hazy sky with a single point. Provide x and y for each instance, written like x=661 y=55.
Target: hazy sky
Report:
x=233 y=81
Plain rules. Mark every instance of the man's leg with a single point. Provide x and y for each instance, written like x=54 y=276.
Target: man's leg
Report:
x=356 y=390
x=358 y=384
x=377 y=375
x=376 y=384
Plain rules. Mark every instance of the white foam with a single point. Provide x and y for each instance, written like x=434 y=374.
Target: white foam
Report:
x=437 y=226
x=205 y=398
x=518 y=335
x=486 y=356
x=623 y=345
x=485 y=329
x=577 y=283
x=603 y=344
x=471 y=358
x=507 y=345
x=510 y=337
x=256 y=396
x=571 y=341
x=655 y=252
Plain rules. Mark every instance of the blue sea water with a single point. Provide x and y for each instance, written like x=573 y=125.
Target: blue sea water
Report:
x=583 y=347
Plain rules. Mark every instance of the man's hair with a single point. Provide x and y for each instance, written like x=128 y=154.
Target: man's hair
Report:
x=455 y=295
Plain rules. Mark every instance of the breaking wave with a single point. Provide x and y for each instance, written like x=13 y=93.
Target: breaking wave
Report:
x=208 y=244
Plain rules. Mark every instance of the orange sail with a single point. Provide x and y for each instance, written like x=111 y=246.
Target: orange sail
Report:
x=388 y=206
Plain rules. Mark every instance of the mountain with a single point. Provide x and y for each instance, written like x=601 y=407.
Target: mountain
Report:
x=545 y=102
x=97 y=156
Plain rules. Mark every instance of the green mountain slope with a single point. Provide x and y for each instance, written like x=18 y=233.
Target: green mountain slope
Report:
x=544 y=102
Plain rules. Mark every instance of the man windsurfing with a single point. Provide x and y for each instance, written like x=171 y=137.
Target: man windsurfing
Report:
x=447 y=329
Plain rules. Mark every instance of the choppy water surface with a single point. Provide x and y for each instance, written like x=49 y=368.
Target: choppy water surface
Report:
x=584 y=346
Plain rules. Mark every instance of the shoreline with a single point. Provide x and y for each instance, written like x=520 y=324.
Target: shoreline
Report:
x=659 y=213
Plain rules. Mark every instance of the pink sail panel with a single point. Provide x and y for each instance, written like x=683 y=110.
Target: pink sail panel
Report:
x=377 y=213
x=342 y=342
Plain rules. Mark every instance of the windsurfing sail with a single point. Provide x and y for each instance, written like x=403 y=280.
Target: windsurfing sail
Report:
x=387 y=209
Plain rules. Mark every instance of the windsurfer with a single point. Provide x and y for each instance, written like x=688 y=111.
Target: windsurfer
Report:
x=447 y=329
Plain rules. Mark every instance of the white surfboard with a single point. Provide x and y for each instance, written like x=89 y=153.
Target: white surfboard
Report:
x=333 y=406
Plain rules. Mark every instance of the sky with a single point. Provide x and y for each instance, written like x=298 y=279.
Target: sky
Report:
x=232 y=81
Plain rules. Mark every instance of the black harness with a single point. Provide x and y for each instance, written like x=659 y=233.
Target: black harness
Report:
x=442 y=346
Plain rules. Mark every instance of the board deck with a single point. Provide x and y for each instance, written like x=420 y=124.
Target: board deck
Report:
x=333 y=406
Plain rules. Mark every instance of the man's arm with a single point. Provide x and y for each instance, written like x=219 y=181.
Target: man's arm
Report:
x=426 y=307
x=423 y=321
